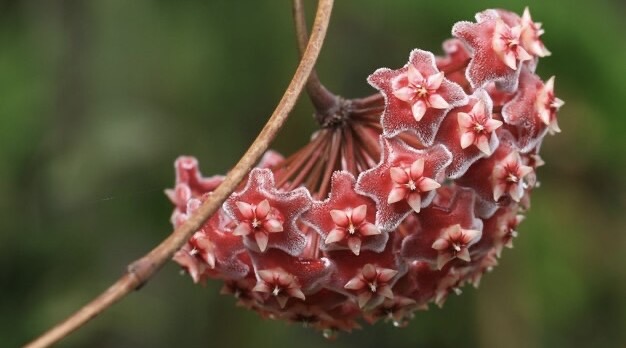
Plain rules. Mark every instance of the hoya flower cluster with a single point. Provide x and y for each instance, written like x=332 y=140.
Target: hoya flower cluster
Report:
x=398 y=200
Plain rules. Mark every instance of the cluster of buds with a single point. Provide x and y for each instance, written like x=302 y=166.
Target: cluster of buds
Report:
x=402 y=198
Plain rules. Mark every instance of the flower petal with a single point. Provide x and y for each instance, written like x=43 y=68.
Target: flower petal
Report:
x=354 y=243
x=245 y=209
x=262 y=209
x=396 y=195
x=339 y=217
x=436 y=101
x=273 y=225
x=243 y=229
x=414 y=76
x=335 y=235
x=358 y=214
x=369 y=229
x=428 y=184
x=483 y=145
x=415 y=201
x=398 y=175
x=435 y=80
x=418 y=109
x=261 y=240
x=467 y=139
x=405 y=93
x=417 y=169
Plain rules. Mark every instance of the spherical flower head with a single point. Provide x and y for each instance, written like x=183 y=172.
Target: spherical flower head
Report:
x=400 y=199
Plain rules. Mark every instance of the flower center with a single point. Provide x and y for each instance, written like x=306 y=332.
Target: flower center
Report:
x=256 y=223
x=276 y=291
x=411 y=185
x=421 y=91
x=373 y=286
x=512 y=178
x=351 y=228
x=456 y=246
x=479 y=128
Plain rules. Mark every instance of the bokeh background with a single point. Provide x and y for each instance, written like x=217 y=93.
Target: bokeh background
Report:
x=97 y=99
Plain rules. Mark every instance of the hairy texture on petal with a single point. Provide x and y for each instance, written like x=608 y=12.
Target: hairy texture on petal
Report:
x=417 y=97
x=397 y=195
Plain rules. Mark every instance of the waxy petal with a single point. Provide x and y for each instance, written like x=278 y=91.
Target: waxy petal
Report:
x=335 y=235
x=354 y=244
x=399 y=175
x=358 y=214
x=261 y=240
x=397 y=194
x=417 y=169
x=262 y=209
x=418 y=109
x=435 y=80
x=428 y=184
x=415 y=201
x=339 y=218
x=436 y=101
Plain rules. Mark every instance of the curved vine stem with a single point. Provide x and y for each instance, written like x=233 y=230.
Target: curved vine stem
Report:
x=325 y=102
x=140 y=271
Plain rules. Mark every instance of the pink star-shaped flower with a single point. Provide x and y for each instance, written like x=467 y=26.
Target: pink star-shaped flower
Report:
x=371 y=281
x=404 y=181
x=345 y=219
x=477 y=127
x=530 y=36
x=548 y=105
x=417 y=97
x=469 y=133
x=508 y=232
x=454 y=242
x=532 y=112
x=259 y=220
x=398 y=310
x=409 y=184
x=498 y=51
x=435 y=226
x=312 y=273
x=265 y=216
x=506 y=44
x=278 y=284
x=507 y=177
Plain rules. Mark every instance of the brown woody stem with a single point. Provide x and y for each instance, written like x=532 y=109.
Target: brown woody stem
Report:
x=327 y=105
x=140 y=271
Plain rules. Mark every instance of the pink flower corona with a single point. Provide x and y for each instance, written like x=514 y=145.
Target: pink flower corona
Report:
x=400 y=199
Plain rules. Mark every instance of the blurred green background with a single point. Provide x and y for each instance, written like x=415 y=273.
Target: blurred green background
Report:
x=97 y=99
